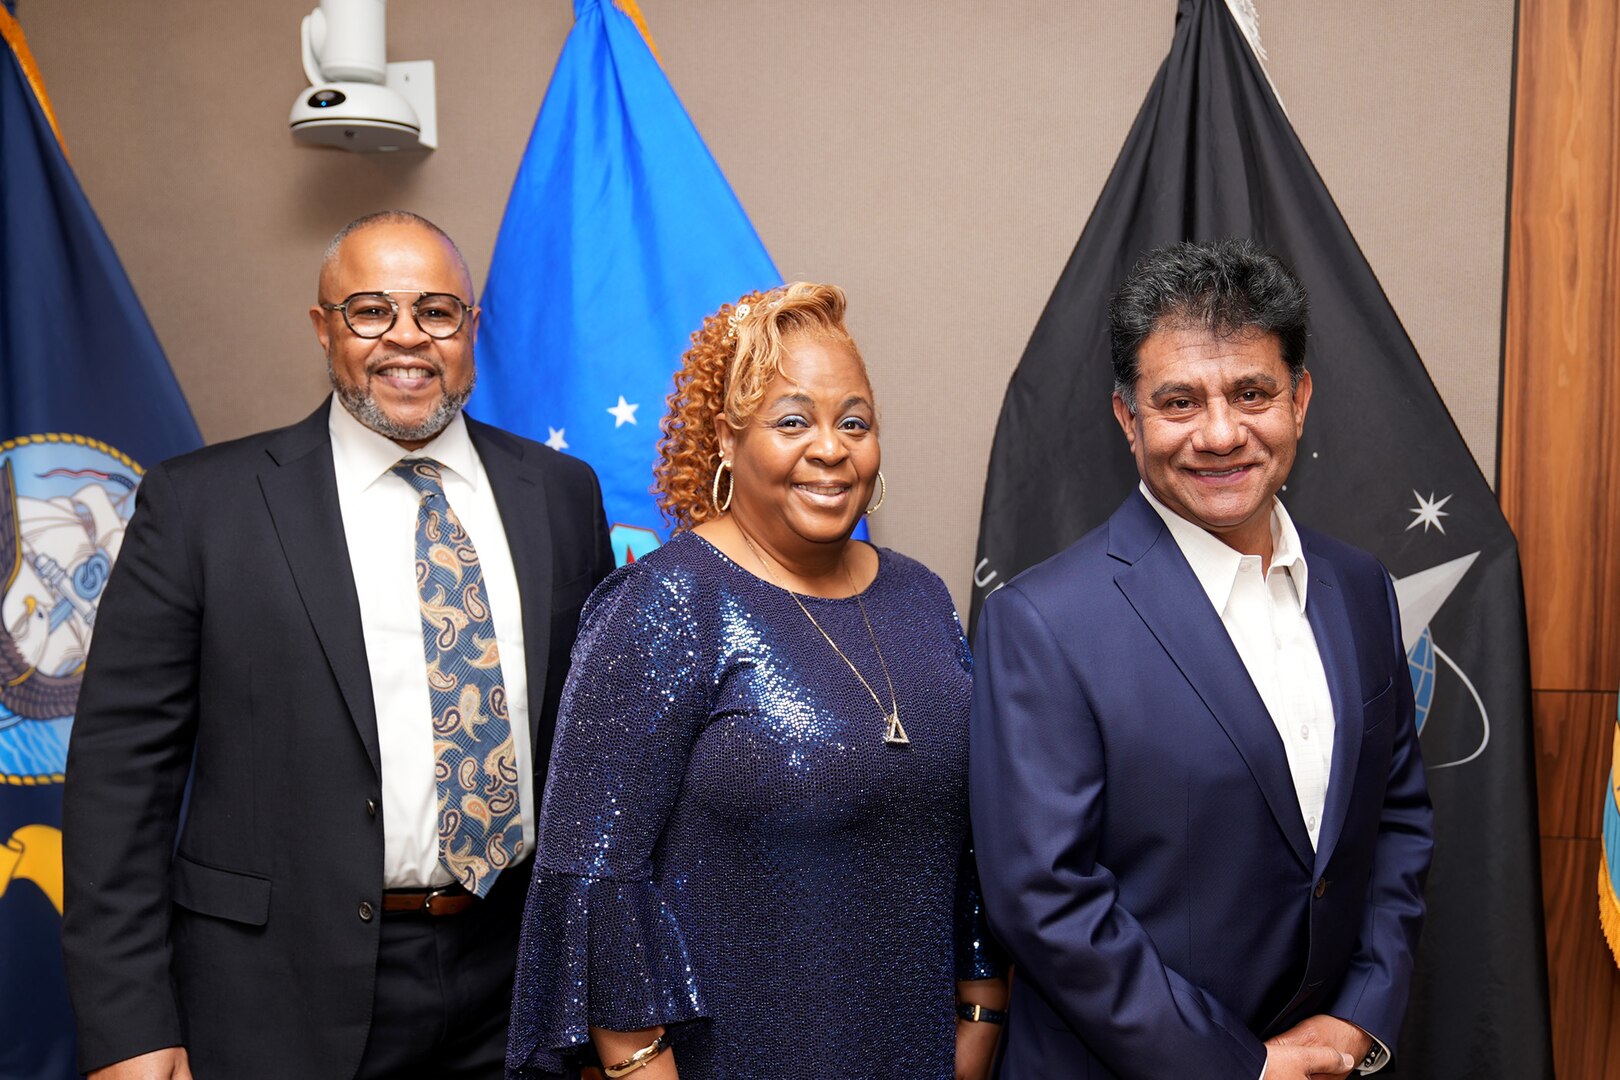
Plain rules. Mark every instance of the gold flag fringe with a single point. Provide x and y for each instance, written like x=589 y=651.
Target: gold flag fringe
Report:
x=632 y=9
x=11 y=30
x=1609 y=909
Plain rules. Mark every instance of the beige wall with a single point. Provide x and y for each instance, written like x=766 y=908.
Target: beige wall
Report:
x=938 y=159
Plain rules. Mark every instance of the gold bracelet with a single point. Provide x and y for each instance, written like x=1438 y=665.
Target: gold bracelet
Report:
x=638 y=1060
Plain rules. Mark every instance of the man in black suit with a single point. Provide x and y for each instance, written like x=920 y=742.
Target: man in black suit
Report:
x=298 y=820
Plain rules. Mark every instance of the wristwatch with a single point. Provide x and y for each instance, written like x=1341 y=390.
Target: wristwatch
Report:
x=980 y=1014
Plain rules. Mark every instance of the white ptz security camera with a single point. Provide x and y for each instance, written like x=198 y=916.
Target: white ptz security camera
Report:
x=356 y=99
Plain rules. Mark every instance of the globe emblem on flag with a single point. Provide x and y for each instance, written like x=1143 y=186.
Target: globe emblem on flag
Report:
x=64 y=503
x=1420 y=597
x=1420 y=664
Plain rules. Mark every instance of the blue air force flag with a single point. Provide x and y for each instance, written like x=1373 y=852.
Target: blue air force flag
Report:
x=86 y=397
x=620 y=235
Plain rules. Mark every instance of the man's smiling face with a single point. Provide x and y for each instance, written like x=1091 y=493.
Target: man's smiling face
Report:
x=404 y=384
x=1216 y=426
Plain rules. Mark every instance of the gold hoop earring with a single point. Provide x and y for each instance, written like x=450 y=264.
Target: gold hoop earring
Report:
x=883 y=493
x=714 y=488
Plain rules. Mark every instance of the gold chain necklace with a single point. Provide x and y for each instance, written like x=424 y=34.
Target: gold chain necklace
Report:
x=893 y=733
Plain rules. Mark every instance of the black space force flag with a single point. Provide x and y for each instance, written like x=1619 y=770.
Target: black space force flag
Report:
x=1381 y=465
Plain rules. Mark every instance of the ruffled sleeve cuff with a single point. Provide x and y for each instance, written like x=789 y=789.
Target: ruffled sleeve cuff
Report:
x=603 y=952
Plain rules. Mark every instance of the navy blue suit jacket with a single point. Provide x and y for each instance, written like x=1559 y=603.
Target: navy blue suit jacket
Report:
x=1139 y=839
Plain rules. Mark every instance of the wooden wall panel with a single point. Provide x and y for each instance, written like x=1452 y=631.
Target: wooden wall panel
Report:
x=1559 y=476
x=1574 y=749
x=1561 y=390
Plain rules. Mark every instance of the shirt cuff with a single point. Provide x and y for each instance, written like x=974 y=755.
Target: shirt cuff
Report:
x=1376 y=1058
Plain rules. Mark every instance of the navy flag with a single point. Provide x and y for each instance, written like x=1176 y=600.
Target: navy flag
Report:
x=86 y=398
x=1381 y=465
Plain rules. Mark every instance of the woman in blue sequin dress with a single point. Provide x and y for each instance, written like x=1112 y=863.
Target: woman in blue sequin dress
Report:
x=753 y=846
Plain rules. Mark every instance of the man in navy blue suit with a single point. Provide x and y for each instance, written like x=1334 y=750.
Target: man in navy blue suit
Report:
x=1198 y=801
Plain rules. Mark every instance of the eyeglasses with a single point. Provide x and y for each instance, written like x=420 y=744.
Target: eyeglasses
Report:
x=373 y=314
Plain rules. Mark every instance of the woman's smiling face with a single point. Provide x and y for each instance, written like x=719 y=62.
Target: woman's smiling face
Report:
x=804 y=466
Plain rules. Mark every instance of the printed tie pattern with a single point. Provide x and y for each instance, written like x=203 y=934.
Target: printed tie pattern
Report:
x=474 y=761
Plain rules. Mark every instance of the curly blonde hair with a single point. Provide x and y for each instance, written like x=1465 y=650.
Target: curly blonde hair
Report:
x=733 y=358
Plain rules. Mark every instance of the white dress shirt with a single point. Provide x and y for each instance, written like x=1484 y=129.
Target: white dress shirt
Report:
x=1263 y=610
x=379 y=521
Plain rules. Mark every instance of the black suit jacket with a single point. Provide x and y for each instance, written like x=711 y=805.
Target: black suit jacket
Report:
x=228 y=648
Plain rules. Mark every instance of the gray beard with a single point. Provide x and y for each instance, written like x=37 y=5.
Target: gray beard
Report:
x=364 y=408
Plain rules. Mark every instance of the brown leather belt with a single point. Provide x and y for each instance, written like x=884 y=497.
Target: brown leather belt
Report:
x=445 y=900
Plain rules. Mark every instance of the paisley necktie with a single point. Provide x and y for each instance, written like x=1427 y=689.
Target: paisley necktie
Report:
x=474 y=762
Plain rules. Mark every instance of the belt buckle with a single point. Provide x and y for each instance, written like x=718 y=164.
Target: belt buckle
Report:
x=435 y=894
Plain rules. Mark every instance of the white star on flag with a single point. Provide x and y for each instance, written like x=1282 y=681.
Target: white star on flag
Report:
x=1427 y=510
x=623 y=413
x=556 y=440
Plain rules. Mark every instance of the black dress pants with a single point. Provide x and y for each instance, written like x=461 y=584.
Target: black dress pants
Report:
x=444 y=989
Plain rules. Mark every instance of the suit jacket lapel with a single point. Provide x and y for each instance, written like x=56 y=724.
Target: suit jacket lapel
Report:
x=520 y=495
x=1330 y=623
x=300 y=489
x=1166 y=594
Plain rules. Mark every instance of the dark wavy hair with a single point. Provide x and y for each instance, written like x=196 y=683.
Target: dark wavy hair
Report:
x=1230 y=286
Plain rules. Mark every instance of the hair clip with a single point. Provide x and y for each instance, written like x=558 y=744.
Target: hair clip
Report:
x=738 y=314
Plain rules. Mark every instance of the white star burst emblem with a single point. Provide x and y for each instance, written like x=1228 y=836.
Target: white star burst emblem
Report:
x=556 y=440
x=623 y=413
x=1427 y=510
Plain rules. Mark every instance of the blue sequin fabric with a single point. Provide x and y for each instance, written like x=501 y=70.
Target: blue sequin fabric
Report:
x=727 y=845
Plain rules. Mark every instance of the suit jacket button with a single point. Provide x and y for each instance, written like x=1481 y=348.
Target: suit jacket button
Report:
x=371 y=807
x=1321 y=887
x=366 y=911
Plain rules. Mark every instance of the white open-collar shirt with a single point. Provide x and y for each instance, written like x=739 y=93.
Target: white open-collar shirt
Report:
x=379 y=522
x=1263 y=610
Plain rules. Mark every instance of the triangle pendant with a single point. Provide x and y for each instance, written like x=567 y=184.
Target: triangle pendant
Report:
x=894 y=734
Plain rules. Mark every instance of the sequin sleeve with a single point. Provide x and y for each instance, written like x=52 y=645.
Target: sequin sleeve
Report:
x=601 y=945
x=978 y=955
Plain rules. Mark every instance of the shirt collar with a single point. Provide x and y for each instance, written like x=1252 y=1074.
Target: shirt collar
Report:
x=361 y=456
x=1216 y=565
